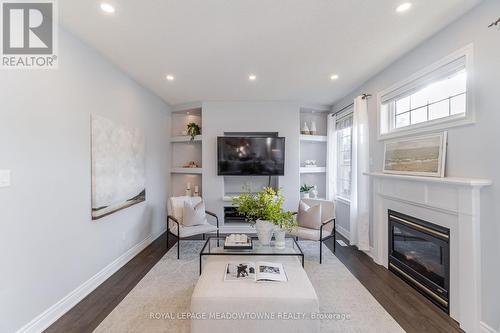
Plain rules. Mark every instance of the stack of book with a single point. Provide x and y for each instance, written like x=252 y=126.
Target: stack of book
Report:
x=237 y=241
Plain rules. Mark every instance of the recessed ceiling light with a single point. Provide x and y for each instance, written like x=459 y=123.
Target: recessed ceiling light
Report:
x=252 y=77
x=107 y=8
x=170 y=77
x=334 y=77
x=403 y=7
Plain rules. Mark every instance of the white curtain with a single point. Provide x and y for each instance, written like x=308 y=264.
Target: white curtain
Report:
x=331 y=158
x=360 y=186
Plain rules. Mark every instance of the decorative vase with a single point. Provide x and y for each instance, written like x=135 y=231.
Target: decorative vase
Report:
x=305 y=129
x=279 y=236
x=264 y=231
x=314 y=192
x=305 y=195
x=313 y=129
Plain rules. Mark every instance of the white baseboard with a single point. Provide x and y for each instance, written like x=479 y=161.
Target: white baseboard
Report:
x=56 y=311
x=485 y=328
x=343 y=231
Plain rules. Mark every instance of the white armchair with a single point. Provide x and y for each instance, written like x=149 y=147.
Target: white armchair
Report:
x=175 y=226
x=326 y=229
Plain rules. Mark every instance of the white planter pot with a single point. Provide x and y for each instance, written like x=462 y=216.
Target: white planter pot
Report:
x=279 y=236
x=264 y=231
x=305 y=195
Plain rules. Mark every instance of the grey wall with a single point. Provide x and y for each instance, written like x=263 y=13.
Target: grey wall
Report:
x=220 y=117
x=48 y=244
x=473 y=151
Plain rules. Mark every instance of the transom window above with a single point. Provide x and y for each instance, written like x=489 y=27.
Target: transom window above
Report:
x=436 y=95
x=438 y=100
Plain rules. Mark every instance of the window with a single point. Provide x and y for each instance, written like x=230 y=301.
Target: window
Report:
x=343 y=129
x=435 y=96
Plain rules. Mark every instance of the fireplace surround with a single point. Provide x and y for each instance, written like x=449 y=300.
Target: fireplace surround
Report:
x=419 y=253
x=451 y=202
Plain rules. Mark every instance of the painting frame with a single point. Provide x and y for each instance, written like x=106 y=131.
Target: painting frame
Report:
x=438 y=163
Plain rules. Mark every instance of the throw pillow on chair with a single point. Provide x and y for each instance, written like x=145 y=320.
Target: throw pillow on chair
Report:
x=309 y=216
x=193 y=214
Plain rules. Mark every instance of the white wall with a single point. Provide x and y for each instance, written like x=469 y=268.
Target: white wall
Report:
x=473 y=151
x=48 y=244
x=220 y=117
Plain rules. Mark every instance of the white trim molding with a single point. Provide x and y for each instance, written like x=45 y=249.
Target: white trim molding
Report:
x=343 y=231
x=427 y=75
x=453 y=203
x=52 y=314
x=485 y=328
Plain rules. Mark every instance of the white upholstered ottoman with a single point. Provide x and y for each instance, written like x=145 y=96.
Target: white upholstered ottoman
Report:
x=247 y=306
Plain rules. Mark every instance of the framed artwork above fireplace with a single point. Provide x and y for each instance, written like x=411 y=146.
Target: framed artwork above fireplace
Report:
x=418 y=156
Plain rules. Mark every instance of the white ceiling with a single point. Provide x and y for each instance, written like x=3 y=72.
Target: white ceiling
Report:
x=293 y=46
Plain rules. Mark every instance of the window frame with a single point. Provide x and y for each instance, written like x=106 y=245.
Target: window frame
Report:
x=347 y=113
x=384 y=121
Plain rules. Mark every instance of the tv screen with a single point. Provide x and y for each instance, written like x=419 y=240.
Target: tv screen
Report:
x=250 y=156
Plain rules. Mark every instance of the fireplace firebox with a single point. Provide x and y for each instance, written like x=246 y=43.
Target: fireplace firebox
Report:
x=419 y=253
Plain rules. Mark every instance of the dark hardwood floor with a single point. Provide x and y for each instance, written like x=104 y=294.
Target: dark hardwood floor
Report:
x=410 y=309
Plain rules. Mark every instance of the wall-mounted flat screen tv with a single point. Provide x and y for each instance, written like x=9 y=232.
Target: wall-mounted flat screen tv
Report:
x=250 y=156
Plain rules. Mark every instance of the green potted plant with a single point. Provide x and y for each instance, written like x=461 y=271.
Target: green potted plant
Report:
x=304 y=191
x=264 y=209
x=193 y=129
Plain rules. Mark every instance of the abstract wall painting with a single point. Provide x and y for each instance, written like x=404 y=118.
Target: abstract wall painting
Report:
x=419 y=156
x=118 y=167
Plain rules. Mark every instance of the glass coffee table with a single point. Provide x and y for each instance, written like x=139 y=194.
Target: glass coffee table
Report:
x=214 y=246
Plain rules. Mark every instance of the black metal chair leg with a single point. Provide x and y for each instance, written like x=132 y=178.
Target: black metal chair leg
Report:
x=320 y=251
x=296 y=238
x=167 y=235
x=178 y=244
x=334 y=240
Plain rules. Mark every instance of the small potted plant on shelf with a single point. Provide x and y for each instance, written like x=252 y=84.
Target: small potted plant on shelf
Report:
x=264 y=209
x=304 y=191
x=193 y=129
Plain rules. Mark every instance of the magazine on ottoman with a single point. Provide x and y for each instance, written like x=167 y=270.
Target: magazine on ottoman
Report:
x=258 y=271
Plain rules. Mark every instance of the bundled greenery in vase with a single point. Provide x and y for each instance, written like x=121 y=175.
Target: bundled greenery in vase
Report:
x=265 y=205
x=193 y=129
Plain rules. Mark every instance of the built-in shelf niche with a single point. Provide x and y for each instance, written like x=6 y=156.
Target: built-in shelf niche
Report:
x=180 y=180
x=314 y=147
x=184 y=150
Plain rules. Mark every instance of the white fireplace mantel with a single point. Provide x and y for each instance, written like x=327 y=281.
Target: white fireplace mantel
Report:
x=450 y=202
x=474 y=182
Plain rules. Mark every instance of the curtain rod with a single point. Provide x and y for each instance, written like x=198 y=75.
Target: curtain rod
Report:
x=363 y=96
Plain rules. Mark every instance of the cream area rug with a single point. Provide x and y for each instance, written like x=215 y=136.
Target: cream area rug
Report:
x=160 y=301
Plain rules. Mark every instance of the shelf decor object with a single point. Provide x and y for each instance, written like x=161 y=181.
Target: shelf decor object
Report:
x=314 y=192
x=304 y=191
x=193 y=129
x=312 y=129
x=305 y=129
x=310 y=163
